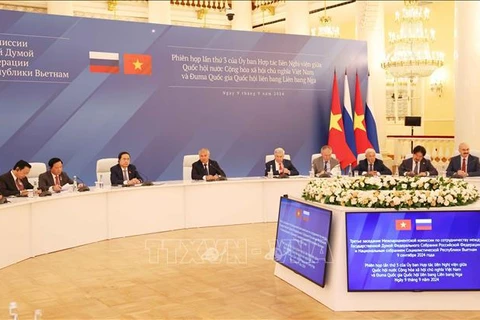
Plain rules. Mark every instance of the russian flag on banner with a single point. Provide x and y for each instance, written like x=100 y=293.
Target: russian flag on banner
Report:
x=348 y=119
x=105 y=62
x=370 y=122
x=423 y=224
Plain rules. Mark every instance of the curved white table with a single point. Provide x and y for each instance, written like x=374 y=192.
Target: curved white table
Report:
x=35 y=226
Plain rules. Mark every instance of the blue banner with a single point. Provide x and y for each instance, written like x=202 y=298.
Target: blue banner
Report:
x=84 y=89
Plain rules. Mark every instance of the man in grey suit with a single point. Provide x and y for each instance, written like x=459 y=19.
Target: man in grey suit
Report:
x=55 y=178
x=325 y=165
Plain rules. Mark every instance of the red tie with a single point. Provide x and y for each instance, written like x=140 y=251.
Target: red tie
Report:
x=281 y=167
x=57 y=180
x=19 y=184
x=464 y=165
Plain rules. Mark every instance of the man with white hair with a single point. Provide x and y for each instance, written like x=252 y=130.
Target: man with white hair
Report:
x=280 y=166
x=371 y=165
x=206 y=168
x=465 y=164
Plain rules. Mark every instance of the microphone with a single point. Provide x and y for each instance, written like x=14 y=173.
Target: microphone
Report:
x=147 y=182
x=222 y=175
x=84 y=187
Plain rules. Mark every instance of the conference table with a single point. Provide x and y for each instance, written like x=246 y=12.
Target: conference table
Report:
x=34 y=226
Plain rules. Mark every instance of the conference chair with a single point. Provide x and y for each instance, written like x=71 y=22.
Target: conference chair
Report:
x=317 y=155
x=103 y=169
x=37 y=169
x=361 y=156
x=270 y=157
x=409 y=155
x=188 y=160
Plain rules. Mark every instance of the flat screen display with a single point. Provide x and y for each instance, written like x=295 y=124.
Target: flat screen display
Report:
x=413 y=251
x=302 y=239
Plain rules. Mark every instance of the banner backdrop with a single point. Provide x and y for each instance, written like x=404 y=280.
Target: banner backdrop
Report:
x=83 y=89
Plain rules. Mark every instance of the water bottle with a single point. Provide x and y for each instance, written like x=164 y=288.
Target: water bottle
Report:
x=311 y=172
x=35 y=188
x=75 y=183
x=270 y=173
x=350 y=172
x=100 y=182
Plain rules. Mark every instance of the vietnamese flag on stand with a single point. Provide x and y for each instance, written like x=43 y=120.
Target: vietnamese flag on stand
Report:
x=336 y=135
x=137 y=64
x=361 y=138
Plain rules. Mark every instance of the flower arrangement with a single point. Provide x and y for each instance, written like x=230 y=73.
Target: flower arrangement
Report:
x=391 y=192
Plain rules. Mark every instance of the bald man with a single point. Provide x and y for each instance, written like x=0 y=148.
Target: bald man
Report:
x=372 y=166
x=463 y=165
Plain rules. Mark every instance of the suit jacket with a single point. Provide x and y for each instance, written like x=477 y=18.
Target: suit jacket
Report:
x=425 y=166
x=8 y=186
x=473 y=166
x=116 y=174
x=286 y=164
x=45 y=180
x=319 y=165
x=377 y=166
x=198 y=170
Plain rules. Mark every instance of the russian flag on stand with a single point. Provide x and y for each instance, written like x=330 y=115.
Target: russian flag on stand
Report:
x=348 y=119
x=105 y=62
x=370 y=119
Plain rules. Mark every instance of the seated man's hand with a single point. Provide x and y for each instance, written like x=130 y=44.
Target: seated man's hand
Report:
x=461 y=173
x=210 y=178
x=422 y=174
x=286 y=171
x=24 y=193
x=410 y=174
x=56 y=188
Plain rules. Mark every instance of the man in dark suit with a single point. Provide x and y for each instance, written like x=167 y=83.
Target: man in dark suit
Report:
x=124 y=173
x=417 y=165
x=205 y=168
x=463 y=165
x=325 y=165
x=55 y=178
x=280 y=166
x=15 y=182
x=372 y=166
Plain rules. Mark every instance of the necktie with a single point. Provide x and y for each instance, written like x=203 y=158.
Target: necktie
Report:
x=371 y=167
x=125 y=175
x=19 y=184
x=280 y=165
x=325 y=169
x=206 y=168
x=464 y=165
x=415 y=170
x=57 y=180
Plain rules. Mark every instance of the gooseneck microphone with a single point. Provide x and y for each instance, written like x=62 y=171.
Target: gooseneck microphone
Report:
x=84 y=187
x=145 y=182
x=221 y=175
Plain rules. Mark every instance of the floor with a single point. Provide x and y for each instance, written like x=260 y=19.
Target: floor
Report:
x=206 y=273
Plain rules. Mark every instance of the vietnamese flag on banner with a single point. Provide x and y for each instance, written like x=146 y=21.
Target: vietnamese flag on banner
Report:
x=359 y=127
x=336 y=135
x=137 y=64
